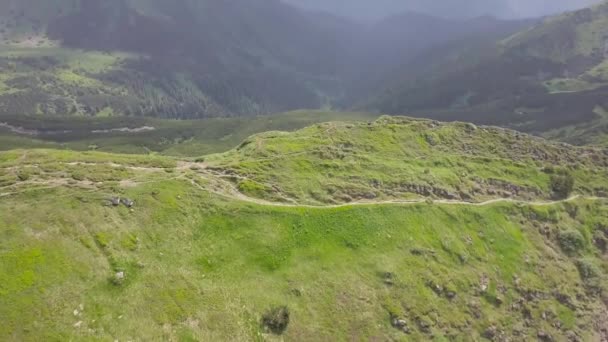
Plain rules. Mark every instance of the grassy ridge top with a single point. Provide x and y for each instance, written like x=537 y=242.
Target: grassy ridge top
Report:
x=396 y=158
x=197 y=266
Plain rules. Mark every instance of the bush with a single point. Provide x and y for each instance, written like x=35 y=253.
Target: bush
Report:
x=24 y=175
x=590 y=273
x=276 y=320
x=571 y=241
x=601 y=241
x=562 y=185
x=431 y=138
x=78 y=175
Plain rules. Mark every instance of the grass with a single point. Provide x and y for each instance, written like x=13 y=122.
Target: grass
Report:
x=188 y=264
x=202 y=267
x=397 y=157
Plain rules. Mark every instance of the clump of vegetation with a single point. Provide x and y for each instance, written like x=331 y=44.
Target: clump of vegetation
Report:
x=276 y=320
x=78 y=176
x=571 y=241
x=24 y=175
x=562 y=184
x=590 y=273
x=252 y=188
x=431 y=138
x=600 y=238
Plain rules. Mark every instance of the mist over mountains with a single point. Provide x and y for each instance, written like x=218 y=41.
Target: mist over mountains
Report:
x=375 y=10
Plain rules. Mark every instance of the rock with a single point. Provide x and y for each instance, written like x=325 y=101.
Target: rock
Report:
x=422 y=251
x=424 y=325
x=517 y=281
x=475 y=309
x=438 y=289
x=119 y=278
x=470 y=127
x=484 y=283
x=490 y=333
x=544 y=336
x=450 y=295
x=77 y=324
x=572 y=337
x=400 y=324
x=127 y=202
x=115 y=201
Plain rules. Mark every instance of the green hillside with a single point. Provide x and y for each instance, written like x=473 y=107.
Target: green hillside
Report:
x=546 y=77
x=401 y=158
x=198 y=257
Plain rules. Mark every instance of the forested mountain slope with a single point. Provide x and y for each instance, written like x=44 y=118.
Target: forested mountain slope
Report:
x=547 y=76
x=183 y=59
x=201 y=58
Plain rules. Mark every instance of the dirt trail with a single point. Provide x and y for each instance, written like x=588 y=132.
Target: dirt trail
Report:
x=221 y=187
x=228 y=190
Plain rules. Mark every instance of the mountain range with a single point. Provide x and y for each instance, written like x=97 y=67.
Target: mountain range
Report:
x=119 y=222
x=201 y=58
x=209 y=58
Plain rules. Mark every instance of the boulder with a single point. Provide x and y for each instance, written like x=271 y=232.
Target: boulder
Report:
x=127 y=202
x=399 y=323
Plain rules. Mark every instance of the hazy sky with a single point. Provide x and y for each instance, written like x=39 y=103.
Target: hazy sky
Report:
x=374 y=9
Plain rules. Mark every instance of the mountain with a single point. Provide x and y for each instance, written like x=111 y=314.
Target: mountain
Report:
x=186 y=59
x=409 y=44
x=371 y=11
x=337 y=231
x=545 y=77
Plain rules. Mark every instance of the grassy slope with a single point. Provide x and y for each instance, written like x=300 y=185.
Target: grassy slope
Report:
x=396 y=157
x=552 y=76
x=577 y=40
x=203 y=267
x=180 y=138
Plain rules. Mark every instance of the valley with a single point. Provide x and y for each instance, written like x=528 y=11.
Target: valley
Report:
x=258 y=170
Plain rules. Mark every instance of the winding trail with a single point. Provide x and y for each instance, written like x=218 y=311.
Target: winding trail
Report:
x=223 y=188
x=233 y=194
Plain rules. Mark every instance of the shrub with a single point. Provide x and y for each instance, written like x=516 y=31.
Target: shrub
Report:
x=571 y=241
x=276 y=320
x=24 y=175
x=562 y=185
x=589 y=271
x=78 y=175
x=601 y=241
x=431 y=138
